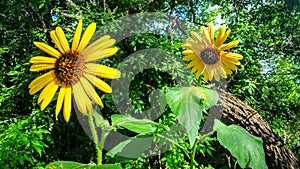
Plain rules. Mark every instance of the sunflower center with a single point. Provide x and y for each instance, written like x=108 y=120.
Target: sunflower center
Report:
x=69 y=68
x=210 y=56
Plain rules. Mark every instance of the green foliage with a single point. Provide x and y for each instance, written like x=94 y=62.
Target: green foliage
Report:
x=140 y=126
x=268 y=78
x=247 y=148
x=75 y=165
x=187 y=106
x=132 y=148
x=25 y=142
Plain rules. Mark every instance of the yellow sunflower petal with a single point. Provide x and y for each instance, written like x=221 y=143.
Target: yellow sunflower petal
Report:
x=100 y=84
x=102 y=71
x=87 y=35
x=190 y=57
x=40 y=67
x=191 y=45
x=220 y=35
x=187 y=52
x=60 y=100
x=211 y=32
x=56 y=41
x=205 y=34
x=90 y=91
x=227 y=70
x=198 y=74
x=197 y=37
x=78 y=98
x=194 y=69
x=40 y=82
x=229 y=64
x=195 y=47
x=100 y=54
x=193 y=63
x=62 y=39
x=39 y=86
x=200 y=67
x=47 y=49
x=229 y=45
x=77 y=35
x=82 y=101
x=216 y=74
x=234 y=56
x=187 y=46
x=206 y=75
x=210 y=72
x=233 y=60
x=67 y=103
x=42 y=59
x=102 y=43
x=222 y=39
x=220 y=69
x=50 y=94
x=46 y=90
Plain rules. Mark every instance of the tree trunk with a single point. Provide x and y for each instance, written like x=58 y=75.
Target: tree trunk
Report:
x=237 y=112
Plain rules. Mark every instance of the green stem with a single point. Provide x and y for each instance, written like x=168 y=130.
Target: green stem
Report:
x=203 y=137
x=193 y=154
x=173 y=142
x=198 y=140
x=99 y=148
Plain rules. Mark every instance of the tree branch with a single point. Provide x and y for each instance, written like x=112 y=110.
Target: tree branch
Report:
x=44 y=27
x=237 y=112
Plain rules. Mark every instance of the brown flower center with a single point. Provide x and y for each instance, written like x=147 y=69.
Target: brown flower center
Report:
x=69 y=68
x=210 y=56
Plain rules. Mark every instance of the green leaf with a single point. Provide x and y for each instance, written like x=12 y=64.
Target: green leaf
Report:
x=248 y=149
x=100 y=122
x=134 y=147
x=76 y=165
x=132 y=124
x=186 y=105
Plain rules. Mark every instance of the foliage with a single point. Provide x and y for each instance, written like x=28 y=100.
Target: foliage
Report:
x=268 y=78
x=26 y=141
x=241 y=145
x=186 y=105
x=68 y=164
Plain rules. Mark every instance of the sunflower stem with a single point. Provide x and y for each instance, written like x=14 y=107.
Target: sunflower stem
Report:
x=199 y=140
x=99 y=147
x=173 y=142
x=193 y=154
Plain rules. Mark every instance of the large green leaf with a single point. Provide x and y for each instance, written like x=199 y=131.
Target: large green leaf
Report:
x=134 y=147
x=76 y=165
x=247 y=148
x=187 y=106
x=132 y=124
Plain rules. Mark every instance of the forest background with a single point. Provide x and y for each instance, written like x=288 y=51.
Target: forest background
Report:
x=268 y=78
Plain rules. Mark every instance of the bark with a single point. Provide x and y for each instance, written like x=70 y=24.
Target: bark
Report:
x=237 y=112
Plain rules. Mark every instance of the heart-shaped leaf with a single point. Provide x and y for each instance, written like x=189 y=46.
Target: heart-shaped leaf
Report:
x=132 y=124
x=248 y=149
x=187 y=106
x=134 y=147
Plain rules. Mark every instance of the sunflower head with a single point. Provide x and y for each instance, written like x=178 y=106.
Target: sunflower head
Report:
x=209 y=56
x=73 y=71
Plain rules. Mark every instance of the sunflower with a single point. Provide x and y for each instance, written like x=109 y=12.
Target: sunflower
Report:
x=73 y=70
x=210 y=56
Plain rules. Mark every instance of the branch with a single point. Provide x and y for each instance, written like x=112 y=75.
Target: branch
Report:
x=44 y=27
x=192 y=10
x=235 y=111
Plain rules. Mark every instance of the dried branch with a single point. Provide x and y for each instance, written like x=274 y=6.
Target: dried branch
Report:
x=192 y=10
x=44 y=27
